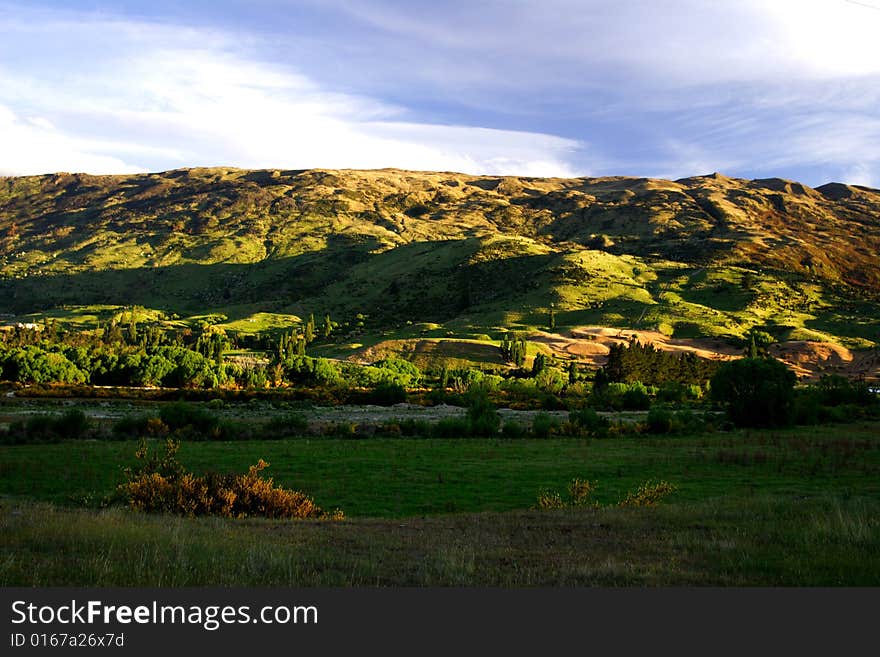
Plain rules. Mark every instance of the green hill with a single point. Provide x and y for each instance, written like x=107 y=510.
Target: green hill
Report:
x=392 y=250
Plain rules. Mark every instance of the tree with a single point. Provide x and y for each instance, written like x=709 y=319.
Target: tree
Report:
x=327 y=328
x=552 y=319
x=310 y=329
x=513 y=350
x=539 y=364
x=753 y=348
x=757 y=391
x=572 y=372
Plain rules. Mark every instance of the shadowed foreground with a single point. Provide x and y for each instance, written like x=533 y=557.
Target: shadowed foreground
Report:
x=765 y=541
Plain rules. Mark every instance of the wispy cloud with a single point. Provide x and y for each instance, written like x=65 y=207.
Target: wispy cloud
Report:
x=169 y=104
x=561 y=87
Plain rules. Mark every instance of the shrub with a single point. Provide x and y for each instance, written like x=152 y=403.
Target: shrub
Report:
x=549 y=500
x=452 y=427
x=482 y=418
x=589 y=420
x=836 y=390
x=513 y=430
x=544 y=425
x=292 y=424
x=161 y=484
x=636 y=398
x=580 y=492
x=648 y=494
x=550 y=379
x=41 y=427
x=71 y=424
x=659 y=420
x=673 y=391
x=621 y=396
x=180 y=415
x=386 y=394
x=757 y=391
x=130 y=425
x=412 y=427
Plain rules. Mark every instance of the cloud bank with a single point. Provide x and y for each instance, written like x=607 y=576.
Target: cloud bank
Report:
x=166 y=103
x=559 y=88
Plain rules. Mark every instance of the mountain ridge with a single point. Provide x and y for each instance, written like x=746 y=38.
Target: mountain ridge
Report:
x=701 y=255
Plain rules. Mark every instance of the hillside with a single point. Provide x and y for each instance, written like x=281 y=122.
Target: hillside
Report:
x=439 y=254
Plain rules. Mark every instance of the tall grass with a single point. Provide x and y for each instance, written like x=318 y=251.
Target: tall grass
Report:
x=767 y=541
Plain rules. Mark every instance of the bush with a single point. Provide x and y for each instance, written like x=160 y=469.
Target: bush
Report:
x=636 y=398
x=648 y=494
x=580 y=492
x=386 y=394
x=131 y=426
x=659 y=420
x=482 y=418
x=836 y=390
x=71 y=424
x=673 y=392
x=161 y=485
x=180 y=415
x=589 y=420
x=452 y=427
x=513 y=430
x=621 y=396
x=544 y=425
x=757 y=391
x=292 y=424
x=412 y=427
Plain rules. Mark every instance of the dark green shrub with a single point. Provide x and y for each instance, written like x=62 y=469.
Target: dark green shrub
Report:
x=544 y=425
x=757 y=391
x=636 y=399
x=130 y=426
x=179 y=415
x=513 y=430
x=386 y=394
x=660 y=420
x=41 y=427
x=673 y=392
x=482 y=418
x=452 y=427
x=71 y=424
x=808 y=409
x=836 y=390
x=589 y=420
x=412 y=427
x=292 y=424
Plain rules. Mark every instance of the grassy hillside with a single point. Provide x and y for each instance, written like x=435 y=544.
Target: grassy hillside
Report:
x=254 y=250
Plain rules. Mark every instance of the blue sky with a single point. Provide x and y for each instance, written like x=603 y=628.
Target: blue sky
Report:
x=750 y=88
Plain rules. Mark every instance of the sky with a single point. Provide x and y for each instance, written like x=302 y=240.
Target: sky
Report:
x=653 y=88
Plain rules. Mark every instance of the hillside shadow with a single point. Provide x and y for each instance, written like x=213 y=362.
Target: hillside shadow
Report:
x=421 y=281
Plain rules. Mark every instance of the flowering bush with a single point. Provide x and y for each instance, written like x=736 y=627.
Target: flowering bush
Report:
x=580 y=493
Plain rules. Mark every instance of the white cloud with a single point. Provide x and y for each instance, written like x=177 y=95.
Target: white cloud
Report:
x=33 y=146
x=673 y=88
x=154 y=103
x=672 y=43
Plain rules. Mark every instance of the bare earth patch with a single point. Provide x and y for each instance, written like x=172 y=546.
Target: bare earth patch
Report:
x=590 y=345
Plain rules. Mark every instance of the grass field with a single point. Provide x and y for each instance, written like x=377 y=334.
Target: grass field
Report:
x=770 y=541
x=400 y=477
x=786 y=507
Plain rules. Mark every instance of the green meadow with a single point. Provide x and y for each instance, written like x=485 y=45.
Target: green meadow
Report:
x=769 y=507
